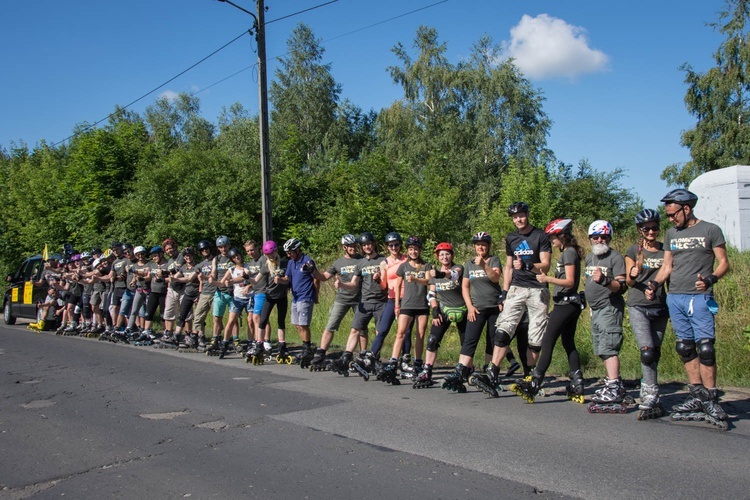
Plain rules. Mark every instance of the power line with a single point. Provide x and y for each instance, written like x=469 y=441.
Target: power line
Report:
x=300 y=12
x=160 y=86
x=252 y=66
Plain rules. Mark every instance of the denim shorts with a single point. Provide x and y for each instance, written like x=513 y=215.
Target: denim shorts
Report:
x=690 y=316
x=238 y=305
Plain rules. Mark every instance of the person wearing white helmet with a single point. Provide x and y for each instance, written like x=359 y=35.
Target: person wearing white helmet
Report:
x=695 y=258
x=300 y=276
x=605 y=286
x=142 y=283
x=345 y=274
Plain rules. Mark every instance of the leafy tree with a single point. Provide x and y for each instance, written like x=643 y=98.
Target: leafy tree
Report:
x=720 y=100
x=305 y=95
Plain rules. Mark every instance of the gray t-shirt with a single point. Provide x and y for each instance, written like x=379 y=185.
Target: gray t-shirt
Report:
x=484 y=293
x=193 y=286
x=253 y=267
x=174 y=265
x=222 y=264
x=159 y=273
x=415 y=294
x=346 y=269
x=448 y=288
x=652 y=262
x=692 y=254
x=612 y=264
x=205 y=269
x=372 y=293
x=568 y=257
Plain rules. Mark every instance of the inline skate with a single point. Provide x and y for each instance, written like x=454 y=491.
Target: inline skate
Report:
x=650 y=406
x=610 y=398
x=388 y=372
x=574 y=390
x=283 y=356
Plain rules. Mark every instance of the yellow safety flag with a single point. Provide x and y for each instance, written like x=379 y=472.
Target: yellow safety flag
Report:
x=45 y=253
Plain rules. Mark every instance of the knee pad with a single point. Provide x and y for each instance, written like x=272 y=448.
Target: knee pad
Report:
x=650 y=355
x=502 y=339
x=706 y=353
x=433 y=343
x=535 y=348
x=686 y=350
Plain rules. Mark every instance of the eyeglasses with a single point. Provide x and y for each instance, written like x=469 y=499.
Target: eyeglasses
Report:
x=652 y=229
x=598 y=237
x=673 y=214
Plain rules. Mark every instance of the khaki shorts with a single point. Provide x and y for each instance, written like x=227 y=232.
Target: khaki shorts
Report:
x=606 y=330
x=205 y=302
x=172 y=304
x=520 y=300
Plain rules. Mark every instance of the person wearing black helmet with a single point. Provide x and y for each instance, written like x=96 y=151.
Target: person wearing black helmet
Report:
x=388 y=268
x=371 y=305
x=412 y=309
x=175 y=260
x=238 y=276
x=345 y=273
x=528 y=253
x=691 y=250
x=187 y=274
x=158 y=272
x=300 y=276
x=648 y=319
x=207 y=290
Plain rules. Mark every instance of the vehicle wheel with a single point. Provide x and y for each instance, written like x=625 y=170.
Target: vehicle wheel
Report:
x=7 y=315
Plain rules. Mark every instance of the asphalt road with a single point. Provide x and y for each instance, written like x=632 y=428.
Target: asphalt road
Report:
x=86 y=419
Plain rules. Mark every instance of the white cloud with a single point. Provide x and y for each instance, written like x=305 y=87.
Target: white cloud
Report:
x=170 y=95
x=547 y=47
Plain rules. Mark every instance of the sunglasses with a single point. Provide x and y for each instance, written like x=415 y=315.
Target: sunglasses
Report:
x=651 y=229
x=598 y=237
x=673 y=214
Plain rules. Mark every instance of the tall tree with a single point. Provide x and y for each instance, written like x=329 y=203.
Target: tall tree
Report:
x=305 y=94
x=720 y=100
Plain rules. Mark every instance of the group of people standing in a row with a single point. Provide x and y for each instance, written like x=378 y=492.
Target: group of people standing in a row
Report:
x=483 y=295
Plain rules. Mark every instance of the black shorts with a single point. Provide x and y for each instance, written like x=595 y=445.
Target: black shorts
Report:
x=414 y=312
x=117 y=296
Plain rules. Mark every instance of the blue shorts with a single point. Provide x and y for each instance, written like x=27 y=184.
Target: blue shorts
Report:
x=221 y=302
x=691 y=319
x=260 y=299
x=126 y=303
x=238 y=305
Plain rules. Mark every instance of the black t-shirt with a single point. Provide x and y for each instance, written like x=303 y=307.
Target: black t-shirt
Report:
x=527 y=247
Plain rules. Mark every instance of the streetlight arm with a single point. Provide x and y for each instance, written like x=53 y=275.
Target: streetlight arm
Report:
x=243 y=10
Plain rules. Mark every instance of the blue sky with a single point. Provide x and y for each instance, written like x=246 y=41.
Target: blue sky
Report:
x=608 y=70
